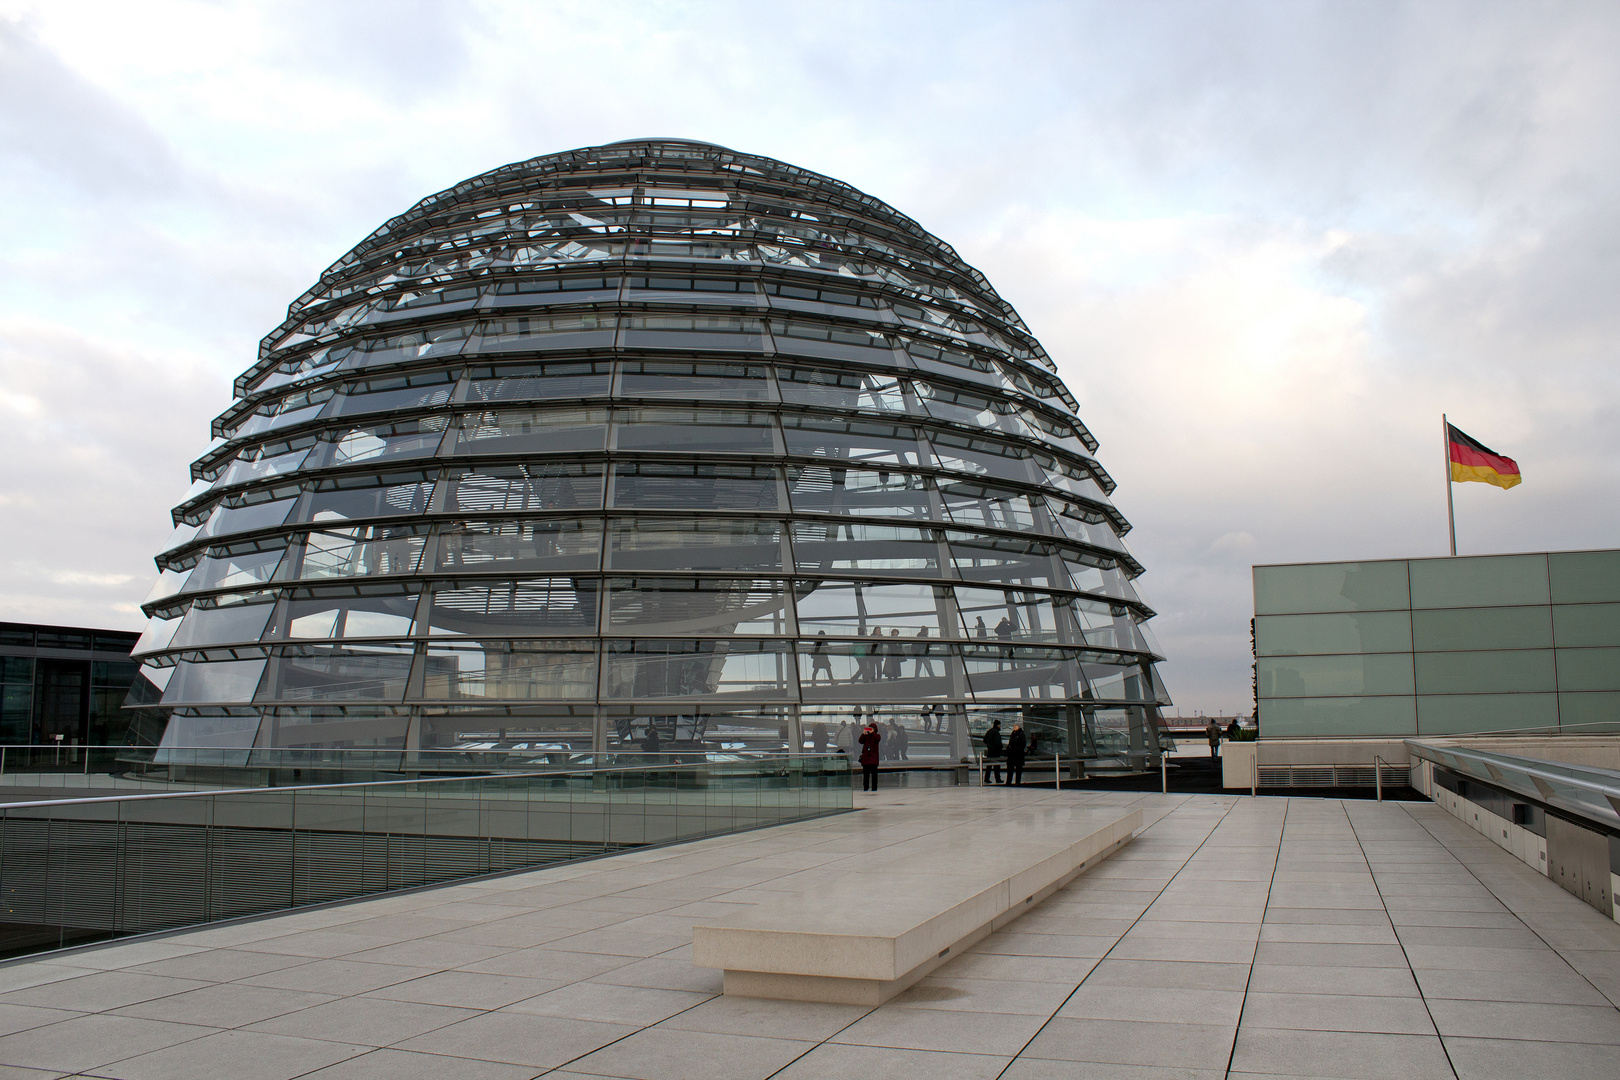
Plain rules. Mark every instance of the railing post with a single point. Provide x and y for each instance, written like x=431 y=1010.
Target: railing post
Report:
x=1378 y=776
x=1057 y=771
x=1164 y=775
x=1254 y=773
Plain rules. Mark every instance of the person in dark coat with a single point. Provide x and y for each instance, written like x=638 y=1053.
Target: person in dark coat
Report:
x=1213 y=731
x=1016 y=743
x=1232 y=730
x=870 y=740
x=992 y=754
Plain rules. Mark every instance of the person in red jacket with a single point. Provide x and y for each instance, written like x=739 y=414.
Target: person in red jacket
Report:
x=869 y=755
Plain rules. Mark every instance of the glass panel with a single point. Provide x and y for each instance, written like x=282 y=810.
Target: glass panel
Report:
x=1584 y=576
x=226 y=681
x=1375 y=586
x=908 y=668
x=954 y=364
x=548 y=382
x=695 y=380
x=694 y=430
x=657 y=669
x=235 y=571
x=859 y=442
x=159 y=632
x=1020 y=617
x=522 y=670
x=520 y=546
x=992 y=508
x=1007 y=560
x=229 y=619
x=168 y=584
x=721 y=544
x=849 y=609
x=254 y=464
x=1326 y=718
x=342 y=727
x=1589 y=669
x=830 y=547
x=402 y=440
x=967 y=408
x=362 y=551
x=536 y=333
x=553 y=734
x=1110 y=626
x=844 y=391
x=1013 y=672
x=656 y=730
x=1587 y=624
x=229 y=520
x=1482 y=628
x=723 y=606
x=694 y=332
x=1300 y=635
x=857 y=492
x=420 y=390
x=311 y=615
x=517 y=608
x=1486 y=581
x=1332 y=676
x=413 y=345
x=213 y=732
x=524 y=488
x=532 y=431
x=825 y=339
x=1484 y=672
x=1486 y=712
x=332 y=673
x=669 y=486
x=983 y=457
x=333 y=503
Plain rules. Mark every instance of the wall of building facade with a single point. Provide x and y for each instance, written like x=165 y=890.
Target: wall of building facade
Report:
x=64 y=680
x=1443 y=646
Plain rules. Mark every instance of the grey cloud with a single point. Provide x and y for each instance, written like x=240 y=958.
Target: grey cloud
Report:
x=71 y=130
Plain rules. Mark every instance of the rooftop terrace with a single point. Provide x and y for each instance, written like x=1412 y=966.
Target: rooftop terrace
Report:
x=1234 y=937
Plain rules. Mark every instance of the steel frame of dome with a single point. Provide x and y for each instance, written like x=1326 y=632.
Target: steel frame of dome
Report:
x=644 y=443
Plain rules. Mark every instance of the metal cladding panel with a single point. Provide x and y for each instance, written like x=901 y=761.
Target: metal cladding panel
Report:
x=656 y=425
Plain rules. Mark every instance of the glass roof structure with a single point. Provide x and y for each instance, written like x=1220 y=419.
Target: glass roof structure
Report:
x=648 y=444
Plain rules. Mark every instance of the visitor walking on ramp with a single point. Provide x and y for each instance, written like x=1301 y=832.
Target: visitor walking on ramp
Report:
x=1213 y=730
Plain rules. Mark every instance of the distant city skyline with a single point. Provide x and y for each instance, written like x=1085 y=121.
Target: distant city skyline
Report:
x=1266 y=245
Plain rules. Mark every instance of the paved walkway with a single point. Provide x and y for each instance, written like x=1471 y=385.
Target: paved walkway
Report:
x=1235 y=937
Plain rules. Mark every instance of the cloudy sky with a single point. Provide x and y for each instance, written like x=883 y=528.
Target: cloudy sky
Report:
x=1268 y=244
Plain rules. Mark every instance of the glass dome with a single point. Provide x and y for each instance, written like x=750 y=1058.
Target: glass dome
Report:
x=649 y=444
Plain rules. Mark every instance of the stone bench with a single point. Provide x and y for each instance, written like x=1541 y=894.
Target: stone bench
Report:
x=867 y=926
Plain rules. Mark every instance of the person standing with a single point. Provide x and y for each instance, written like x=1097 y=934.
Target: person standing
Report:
x=992 y=754
x=902 y=741
x=1016 y=743
x=893 y=655
x=1213 y=731
x=870 y=741
x=1232 y=730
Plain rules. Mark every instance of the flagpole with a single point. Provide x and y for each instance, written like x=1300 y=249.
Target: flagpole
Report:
x=1451 y=516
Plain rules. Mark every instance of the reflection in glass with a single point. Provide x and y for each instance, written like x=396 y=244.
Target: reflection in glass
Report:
x=521 y=670
x=519 y=546
x=719 y=606
x=481 y=606
x=687 y=544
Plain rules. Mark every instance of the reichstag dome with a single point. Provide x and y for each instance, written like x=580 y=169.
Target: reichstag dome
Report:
x=653 y=445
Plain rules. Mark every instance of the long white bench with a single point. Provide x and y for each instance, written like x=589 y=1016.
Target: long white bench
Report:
x=867 y=926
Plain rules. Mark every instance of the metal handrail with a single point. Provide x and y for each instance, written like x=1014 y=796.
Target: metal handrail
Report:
x=1541 y=779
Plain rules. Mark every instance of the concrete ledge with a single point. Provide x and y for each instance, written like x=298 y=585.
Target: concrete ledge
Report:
x=866 y=927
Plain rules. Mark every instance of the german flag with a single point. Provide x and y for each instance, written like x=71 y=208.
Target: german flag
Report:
x=1473 y=460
